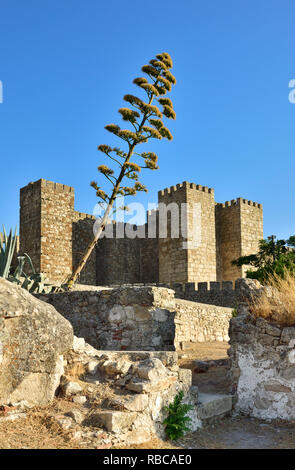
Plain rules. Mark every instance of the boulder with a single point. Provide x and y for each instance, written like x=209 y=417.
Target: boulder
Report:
x=33 y=339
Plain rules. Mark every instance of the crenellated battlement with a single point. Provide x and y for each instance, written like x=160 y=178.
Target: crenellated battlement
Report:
x=210 y=286
x=44 y=185
x=83 y=215
x=56 y=186
x=185 y=185
x=237 y=202
x=224 y=293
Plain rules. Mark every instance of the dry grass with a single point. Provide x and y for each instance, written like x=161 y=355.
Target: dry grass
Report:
x=37 y=430
x=76 y=371
x=277 y=303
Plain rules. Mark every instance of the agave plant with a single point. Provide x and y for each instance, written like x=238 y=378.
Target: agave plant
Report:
x=7 y=248
x=35 y=282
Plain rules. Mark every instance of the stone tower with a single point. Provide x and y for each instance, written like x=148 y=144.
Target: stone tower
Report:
x=192 y=256
x=52 y=233
x=239 y=227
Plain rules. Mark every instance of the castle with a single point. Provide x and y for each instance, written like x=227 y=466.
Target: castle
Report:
x=56 y=236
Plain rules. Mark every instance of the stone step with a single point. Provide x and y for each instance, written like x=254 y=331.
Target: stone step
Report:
x=213 y=406
x=113 y=420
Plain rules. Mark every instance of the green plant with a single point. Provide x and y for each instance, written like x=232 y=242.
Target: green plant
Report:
x=274 y=258
x=7 y=249
x=234 y=313
x=35 y=282
x=176 y=421
x=145 y=120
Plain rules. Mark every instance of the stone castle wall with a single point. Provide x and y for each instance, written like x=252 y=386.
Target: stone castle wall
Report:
x=125 y=260
x=56 y=236
x=139 y=318
x=225 y=293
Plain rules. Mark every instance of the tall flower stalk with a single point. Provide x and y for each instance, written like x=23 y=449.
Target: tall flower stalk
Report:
x=145 y=120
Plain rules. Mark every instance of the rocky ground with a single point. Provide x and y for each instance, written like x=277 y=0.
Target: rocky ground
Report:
x=59 y=425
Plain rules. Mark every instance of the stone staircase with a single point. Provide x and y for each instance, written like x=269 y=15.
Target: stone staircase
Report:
x=135 y=386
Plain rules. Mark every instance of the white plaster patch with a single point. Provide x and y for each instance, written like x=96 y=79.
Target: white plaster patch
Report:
x=116 y=314
x=157 y=407
x=253 y=399
x=291 y=356
x=250 y=377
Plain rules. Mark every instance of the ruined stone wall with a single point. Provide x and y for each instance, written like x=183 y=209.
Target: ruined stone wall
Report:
x=134 y=319
x=197 y=322
x=262 y=368
x=140 y=318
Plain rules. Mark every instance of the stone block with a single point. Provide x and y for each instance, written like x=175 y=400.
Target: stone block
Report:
x=213 y=405
x=114 y=421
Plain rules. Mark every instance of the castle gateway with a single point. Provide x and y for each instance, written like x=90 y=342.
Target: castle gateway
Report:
x=56 y=236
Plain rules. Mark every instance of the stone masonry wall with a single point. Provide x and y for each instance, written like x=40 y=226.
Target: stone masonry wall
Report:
x=251 y=228
x=224 y=294
x=126 y=260
x=202 y=258
x=53 y=233
x=239 y=227
x=262 y=368
x=55 y=236
x=179 y=260
x=228 y=239
x=30 y=222
x=196 y=322
x=173 y=259
x=139 y=318
x=82 y=234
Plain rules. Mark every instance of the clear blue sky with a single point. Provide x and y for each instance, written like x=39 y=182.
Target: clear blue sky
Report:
x=65 y=66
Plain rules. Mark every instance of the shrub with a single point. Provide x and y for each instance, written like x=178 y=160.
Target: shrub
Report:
x=176 y=421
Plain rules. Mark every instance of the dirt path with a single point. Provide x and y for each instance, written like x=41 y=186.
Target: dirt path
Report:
x=233 y=433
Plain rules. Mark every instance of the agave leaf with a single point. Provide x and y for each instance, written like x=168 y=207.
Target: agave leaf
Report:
x=7 y=251
x=30 y=263
x=19 y=271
